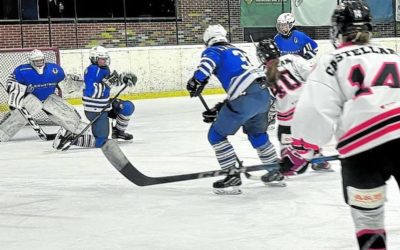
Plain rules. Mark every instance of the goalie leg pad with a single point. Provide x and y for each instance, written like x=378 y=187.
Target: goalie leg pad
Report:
x=62 y=113
x=11 y=124
x=32 y=104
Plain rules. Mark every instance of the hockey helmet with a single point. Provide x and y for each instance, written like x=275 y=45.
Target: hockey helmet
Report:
x=285 y=23
x=351 y=16
x=267 y=50
x=99 y=52
x=214 y=34
x=36 y=59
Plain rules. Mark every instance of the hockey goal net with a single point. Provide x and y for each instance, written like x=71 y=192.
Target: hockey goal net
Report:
x=10 y=59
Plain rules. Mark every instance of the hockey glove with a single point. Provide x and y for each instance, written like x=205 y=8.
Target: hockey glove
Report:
x=16 y=93
x=129 y=79
x=112 y=79
x=308 y=52
x=210 y=115
x=292 y=162
x=195 y=87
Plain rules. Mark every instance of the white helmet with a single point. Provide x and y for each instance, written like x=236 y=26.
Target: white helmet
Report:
x=285 y=23
x=214 y=34
x=36 y=59
x=99 y=52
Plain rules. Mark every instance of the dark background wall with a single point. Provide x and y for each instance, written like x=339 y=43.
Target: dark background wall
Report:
x=193 y=17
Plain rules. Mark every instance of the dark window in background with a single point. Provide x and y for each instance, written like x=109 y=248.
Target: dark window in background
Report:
x=58 y=8
x=99 y=8
x=150 y=8
x=8 y=9
x=34 y=9
x=29 y=9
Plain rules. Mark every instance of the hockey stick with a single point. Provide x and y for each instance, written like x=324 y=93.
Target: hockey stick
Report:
x=117 y=158
x=312 y=161
x=42 y=135
x=76 y=137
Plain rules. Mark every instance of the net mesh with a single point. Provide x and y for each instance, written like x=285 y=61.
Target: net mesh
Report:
x=10 y=59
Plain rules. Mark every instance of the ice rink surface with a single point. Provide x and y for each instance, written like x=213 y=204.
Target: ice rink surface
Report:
x=76 y=200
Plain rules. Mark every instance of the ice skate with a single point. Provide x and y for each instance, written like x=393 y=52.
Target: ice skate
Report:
x=62 y=140
x=121 y=135
x=274 y=179
x=228 y=186
x=321 y=166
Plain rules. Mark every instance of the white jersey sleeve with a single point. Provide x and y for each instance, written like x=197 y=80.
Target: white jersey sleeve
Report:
x=353 y=93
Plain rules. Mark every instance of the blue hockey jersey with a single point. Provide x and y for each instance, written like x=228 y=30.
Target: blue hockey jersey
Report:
x=231 y=66
x=297 y=43
x=96 y=94
x=42 y=85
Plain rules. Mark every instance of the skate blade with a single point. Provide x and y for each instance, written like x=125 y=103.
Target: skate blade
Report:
x=275 y=184
x=329 y=170
x=227 y=191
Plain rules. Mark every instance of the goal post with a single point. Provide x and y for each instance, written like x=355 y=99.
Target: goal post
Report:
x=10 y=59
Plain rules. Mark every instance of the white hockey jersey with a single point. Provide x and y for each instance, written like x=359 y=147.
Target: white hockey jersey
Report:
x=293 y=70
x=353 y=93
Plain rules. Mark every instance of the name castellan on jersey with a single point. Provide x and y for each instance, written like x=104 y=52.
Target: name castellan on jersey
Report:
x=355 y=52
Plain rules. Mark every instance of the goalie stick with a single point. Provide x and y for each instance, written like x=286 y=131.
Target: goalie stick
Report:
x=117 y=158
x=42 y=135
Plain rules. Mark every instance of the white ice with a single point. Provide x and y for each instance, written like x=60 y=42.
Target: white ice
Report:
x=77 y=200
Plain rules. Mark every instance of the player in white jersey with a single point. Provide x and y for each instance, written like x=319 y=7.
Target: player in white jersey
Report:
x=286 y=75
x=354 y=93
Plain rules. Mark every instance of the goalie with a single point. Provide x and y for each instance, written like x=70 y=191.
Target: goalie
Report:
x=31 y=89
x=96 y=101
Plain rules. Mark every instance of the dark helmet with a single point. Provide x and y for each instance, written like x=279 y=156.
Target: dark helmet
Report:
x=267 y=50
x=351 y=16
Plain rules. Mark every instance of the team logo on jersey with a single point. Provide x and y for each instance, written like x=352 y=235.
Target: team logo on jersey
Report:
x=55 y=71
x=248 y=1
x=30 y=88
x=295 y=40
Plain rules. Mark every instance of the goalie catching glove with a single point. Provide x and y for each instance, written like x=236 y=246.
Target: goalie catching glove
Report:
x=210 y=115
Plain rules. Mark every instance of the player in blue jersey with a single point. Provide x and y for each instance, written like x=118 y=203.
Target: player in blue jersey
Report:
x=245 y=105
x=292 y=41
x=96 y=96
x=31 y=86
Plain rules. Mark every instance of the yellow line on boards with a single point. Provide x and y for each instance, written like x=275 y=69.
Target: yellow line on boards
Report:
x=154 y=95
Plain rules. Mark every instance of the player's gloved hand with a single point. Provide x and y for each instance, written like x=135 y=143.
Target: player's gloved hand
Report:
x=129 y=79
x=16 y=94
x=308 y=52
x=292 y=162
x=210 y=115
x=195 y=87
x=112 y=79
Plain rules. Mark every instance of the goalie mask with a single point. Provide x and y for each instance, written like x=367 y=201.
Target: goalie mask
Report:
x=267 y=50
x=285 y=23
x=214 y=34
x=36 y=59
x=99 y=55
x=350 y=17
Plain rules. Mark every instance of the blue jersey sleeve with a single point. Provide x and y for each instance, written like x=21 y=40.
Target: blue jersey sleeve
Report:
x=94 y=87
x=210 y=59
